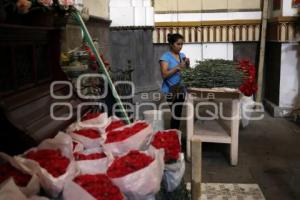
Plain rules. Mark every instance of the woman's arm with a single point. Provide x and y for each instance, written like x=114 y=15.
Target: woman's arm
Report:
x=167 y=73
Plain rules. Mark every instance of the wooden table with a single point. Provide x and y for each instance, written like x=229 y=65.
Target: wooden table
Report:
x=225 y=126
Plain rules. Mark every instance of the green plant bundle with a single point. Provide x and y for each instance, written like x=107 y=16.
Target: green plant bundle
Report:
x=214 y=73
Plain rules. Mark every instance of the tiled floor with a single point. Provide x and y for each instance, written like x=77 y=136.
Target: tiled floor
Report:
x=222 y=191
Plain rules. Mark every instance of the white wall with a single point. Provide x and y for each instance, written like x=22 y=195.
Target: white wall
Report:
x=174 y=17
x=289 y=75
x=208 y=51
x=131 y=13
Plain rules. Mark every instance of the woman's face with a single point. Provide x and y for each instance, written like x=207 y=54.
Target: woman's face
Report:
x=177 y=46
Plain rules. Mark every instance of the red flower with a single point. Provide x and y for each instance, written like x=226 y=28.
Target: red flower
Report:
x=120 y=135
x=169 y=141
x=129 y=163
x=90 y=115
x=92 y=156
x=99 y=186
x=6 y=171
x=90 y=133
x=114 y=125
x=249 y=86
x=52 y=160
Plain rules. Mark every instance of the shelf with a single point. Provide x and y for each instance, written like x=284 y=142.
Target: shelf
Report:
x=211 y=131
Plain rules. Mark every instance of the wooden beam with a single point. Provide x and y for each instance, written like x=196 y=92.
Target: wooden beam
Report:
x=262 y=51
x=196 y=176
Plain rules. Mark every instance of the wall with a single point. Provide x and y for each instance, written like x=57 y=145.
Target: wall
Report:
x=176 y=5
x=204 y=5
x=282 y=61
x=98 y=29
x=97 y=8
x=193 y=17
x=135 y=45
x=131 y=13
x=246 y=50
x=289 y=75
x=272 y=72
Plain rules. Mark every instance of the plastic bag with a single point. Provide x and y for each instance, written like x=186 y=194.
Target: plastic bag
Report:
x=78 y=147
x=9 y=190
x=73 y=191
x=33 y=186
x=53 y=186
x=98 y=166
x=139 y=141
x=173 y=174
x=88 y=143
x=144 y=183
x=96 y=123
x=110 y=120
x=247 y=108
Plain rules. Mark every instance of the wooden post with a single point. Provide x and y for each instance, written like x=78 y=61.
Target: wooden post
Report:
x=196 y=147
x=234 y=131
x=189 y=124
x=262 y=50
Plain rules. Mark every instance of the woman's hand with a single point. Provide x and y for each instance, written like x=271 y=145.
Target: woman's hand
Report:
x=184 y=64
x=187 y=62
x=181 y=66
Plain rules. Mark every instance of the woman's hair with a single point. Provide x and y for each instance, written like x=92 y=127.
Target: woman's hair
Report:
x=172 y=38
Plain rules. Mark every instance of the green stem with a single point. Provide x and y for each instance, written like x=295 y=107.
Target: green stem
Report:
x=102 y=68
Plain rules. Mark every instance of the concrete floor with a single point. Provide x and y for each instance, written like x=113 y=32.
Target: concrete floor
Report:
x=269 y=155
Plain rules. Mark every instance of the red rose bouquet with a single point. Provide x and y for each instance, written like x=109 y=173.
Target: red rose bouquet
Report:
x=90 y=115
x=28 y=184
x=90 y=120
x=99 y=186
x=94 y=119
x=90 y=138
x=92 y=156
x=91 y=161
x=129 y=163
x=89 y=133
x=138 y=173
x=20 y=178
x=120 y=135
x=170 y=142
x=135 y=136
x=114 y=124
x=90 y=187
x=10 y=190
x=51 y=160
